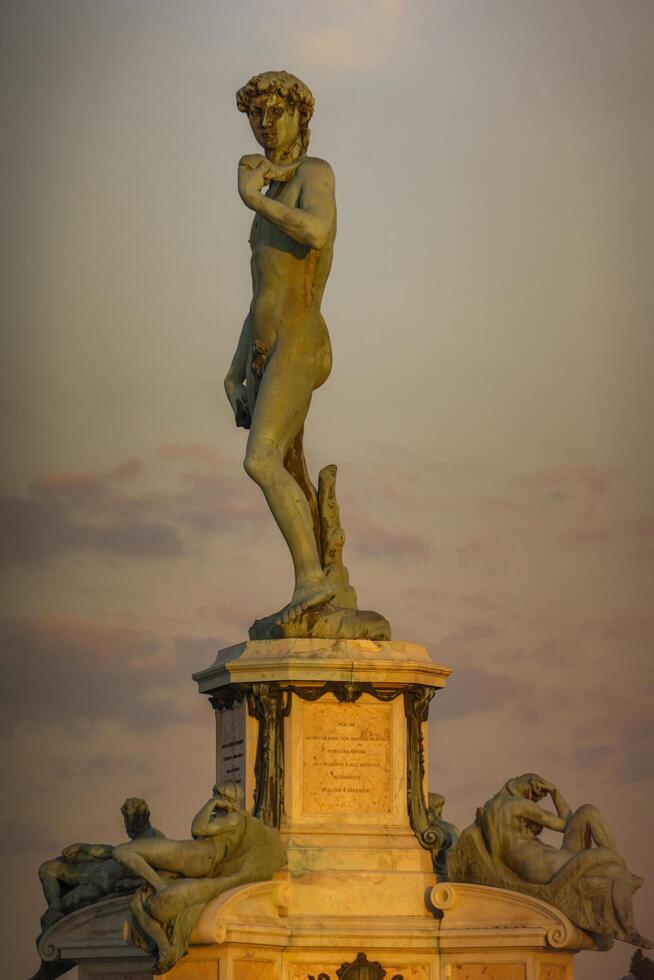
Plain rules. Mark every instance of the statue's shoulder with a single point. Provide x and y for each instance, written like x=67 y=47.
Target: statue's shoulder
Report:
x=313 y=168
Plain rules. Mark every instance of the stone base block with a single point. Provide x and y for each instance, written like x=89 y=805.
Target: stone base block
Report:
x=287 y=930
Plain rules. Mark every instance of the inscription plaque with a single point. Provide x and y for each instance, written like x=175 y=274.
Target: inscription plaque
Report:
x=231 y=747
x=346 y=757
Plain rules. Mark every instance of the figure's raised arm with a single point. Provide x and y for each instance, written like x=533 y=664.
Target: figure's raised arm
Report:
x=311 y=222
x=544 y=787
x=562 y=807
x=542 y=818
x=86 y=852
x=204 y=824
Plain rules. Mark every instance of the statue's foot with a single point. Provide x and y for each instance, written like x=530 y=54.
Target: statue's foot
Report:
x=306 y=599
x=165 y=960
x=50 y=917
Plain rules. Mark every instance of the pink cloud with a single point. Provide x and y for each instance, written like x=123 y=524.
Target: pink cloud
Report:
x=198 y=452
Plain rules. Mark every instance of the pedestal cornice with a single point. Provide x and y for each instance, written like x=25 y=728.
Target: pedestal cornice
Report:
x=318 y=661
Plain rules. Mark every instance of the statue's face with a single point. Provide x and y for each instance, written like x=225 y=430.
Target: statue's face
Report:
x=135 y=816
x=275 y=124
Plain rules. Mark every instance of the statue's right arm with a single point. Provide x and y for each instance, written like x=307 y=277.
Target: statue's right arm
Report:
x=235 y=377
x=99 y=851
x=236 y=373
x=86 y=852
x=202 y=825
x=532 y=812
x=562 y=807
x=560 y=804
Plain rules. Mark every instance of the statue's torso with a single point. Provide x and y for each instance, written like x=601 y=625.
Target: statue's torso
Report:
x=288 y=279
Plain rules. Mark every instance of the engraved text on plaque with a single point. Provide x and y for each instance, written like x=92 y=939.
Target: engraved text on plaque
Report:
x=347 y=757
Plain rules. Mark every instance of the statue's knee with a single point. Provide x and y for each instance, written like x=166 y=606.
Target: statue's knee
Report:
x=48 y=870
x=260 y=462
x=587 y=811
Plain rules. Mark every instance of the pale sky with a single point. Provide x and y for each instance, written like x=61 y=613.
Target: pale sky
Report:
x=490 y=409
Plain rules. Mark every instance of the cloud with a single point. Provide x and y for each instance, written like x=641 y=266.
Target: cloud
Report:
x=485 y=555
x=74 y=673
x=586 y=537
x=65 y=513
x=476 y=691
x=577 y=491
x=197 y=452
x=356 y=37
x=81 y=512
x=373 y=540
x=127 y=470
x=25 y=838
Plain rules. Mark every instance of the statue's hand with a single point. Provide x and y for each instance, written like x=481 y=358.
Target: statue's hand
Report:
x=238 y=399
x=281 y=171
x=251 y=177
x=254 y=171
x=544 y=787
x=250 y=161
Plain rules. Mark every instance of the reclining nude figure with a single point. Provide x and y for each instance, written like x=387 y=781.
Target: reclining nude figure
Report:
x=284 y=352
x=586 y=877
x=86 y=873
x=229 y=848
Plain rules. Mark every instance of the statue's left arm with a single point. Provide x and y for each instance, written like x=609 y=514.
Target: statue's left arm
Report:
x=311 y=222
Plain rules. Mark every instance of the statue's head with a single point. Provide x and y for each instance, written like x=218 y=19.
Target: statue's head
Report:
x=136 y=814
x=435 y=804
x=279 y=107
x=228 y=796
x=530 y=786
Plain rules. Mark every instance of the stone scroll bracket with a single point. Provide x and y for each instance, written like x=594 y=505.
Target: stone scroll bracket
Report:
x=269 y=704
x=416 y=708
x=431 y=836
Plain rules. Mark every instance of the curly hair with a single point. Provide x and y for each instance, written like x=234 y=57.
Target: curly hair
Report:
x=293 y=91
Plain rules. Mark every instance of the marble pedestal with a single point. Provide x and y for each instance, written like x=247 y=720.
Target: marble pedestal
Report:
x=327 y=739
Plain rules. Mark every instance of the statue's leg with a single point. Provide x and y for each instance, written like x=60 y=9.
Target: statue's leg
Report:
x=622 y=893
x=296 y=464
x=281 y=407
x=151 y=928
x=179 y=897
x=50 y=874
x=179 y=894
x=81 y=896
x=585 y=826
